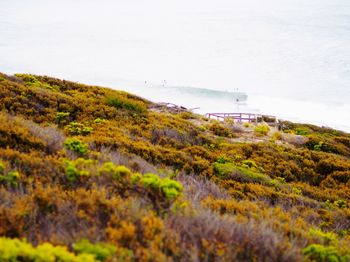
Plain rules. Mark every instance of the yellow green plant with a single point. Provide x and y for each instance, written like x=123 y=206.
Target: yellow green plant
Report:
x=12 y=250
x=261 y=129
x=78 y=168
x=168 y=187
x=121 y=103
x=2 y=168
x=9 y=178
x=100 y=251
x=76 y=146
x=76 y=128
x=31 y=80
x=61 y=117
x=326 y=238
x=117 y=172
x=320 y=253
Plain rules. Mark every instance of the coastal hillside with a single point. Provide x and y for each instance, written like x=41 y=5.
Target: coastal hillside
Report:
x=94 y=174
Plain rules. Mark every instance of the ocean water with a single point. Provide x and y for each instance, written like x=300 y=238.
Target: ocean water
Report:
x=292 y=57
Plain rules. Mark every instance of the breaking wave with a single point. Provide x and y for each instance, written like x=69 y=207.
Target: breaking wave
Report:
x=205 y=92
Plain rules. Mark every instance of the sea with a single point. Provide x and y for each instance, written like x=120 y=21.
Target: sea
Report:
x=291 y=57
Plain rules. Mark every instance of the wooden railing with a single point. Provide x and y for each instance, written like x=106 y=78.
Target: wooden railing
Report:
x=243 y=117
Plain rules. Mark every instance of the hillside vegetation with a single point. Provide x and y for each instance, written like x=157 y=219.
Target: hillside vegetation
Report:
x=93 y=174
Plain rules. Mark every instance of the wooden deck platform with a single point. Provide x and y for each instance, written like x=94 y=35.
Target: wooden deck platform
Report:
x=244 y=117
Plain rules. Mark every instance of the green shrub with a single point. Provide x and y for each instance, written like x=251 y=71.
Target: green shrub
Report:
x=326 y=238
x=151 y=181
x=261 y=129
x=72 y=173
x=297 y=191
x=241 y=174
x=302 y=131
x=76 y=146
x=123 y=103
x=100 y=121
x=340 y=203
x=2 y=168
x=117 y=172
x=135 y=178
x=322 y=253
x=223 y=170
x=11 y=178
x=75 y=128
x=221 y=160
x=61 y=117
x=78 y=168
x=249 y=164
x=318 y=147
x=187 y=115
x=220 y=130
x=325 y=143
x=336 y=204
x=276 y=136
x=12 y=250
x=166 y=186
x=101 y=251
x=32 y=81
x=170 y=188
x=162 y=192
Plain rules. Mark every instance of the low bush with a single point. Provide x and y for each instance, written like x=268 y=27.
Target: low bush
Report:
x=117 y=172
x=325 y=238
x=161 y=191
x=276 y=136
x=12 y=250
x=320 y=253
x=76 y=146
x=297 y=191
x=31 y=80
x=165 y=186
x=9 y=178
x=78 y=168
x=101 y=251
x=76 y=129
x=129 y=105
x=241 y=174
x=249 y=164
x=62 y=117
x=220 y=130
x=302 y=131
x=261 y=129
x=100 y=121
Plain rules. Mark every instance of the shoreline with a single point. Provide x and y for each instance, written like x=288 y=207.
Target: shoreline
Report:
x=319 y=113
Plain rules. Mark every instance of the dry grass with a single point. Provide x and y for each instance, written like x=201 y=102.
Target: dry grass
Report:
x=296 y=140
x=241 y=241
x=196 y=189
x=53 y=137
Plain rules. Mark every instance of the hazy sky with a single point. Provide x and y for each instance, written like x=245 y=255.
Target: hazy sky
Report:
x=291 y=49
